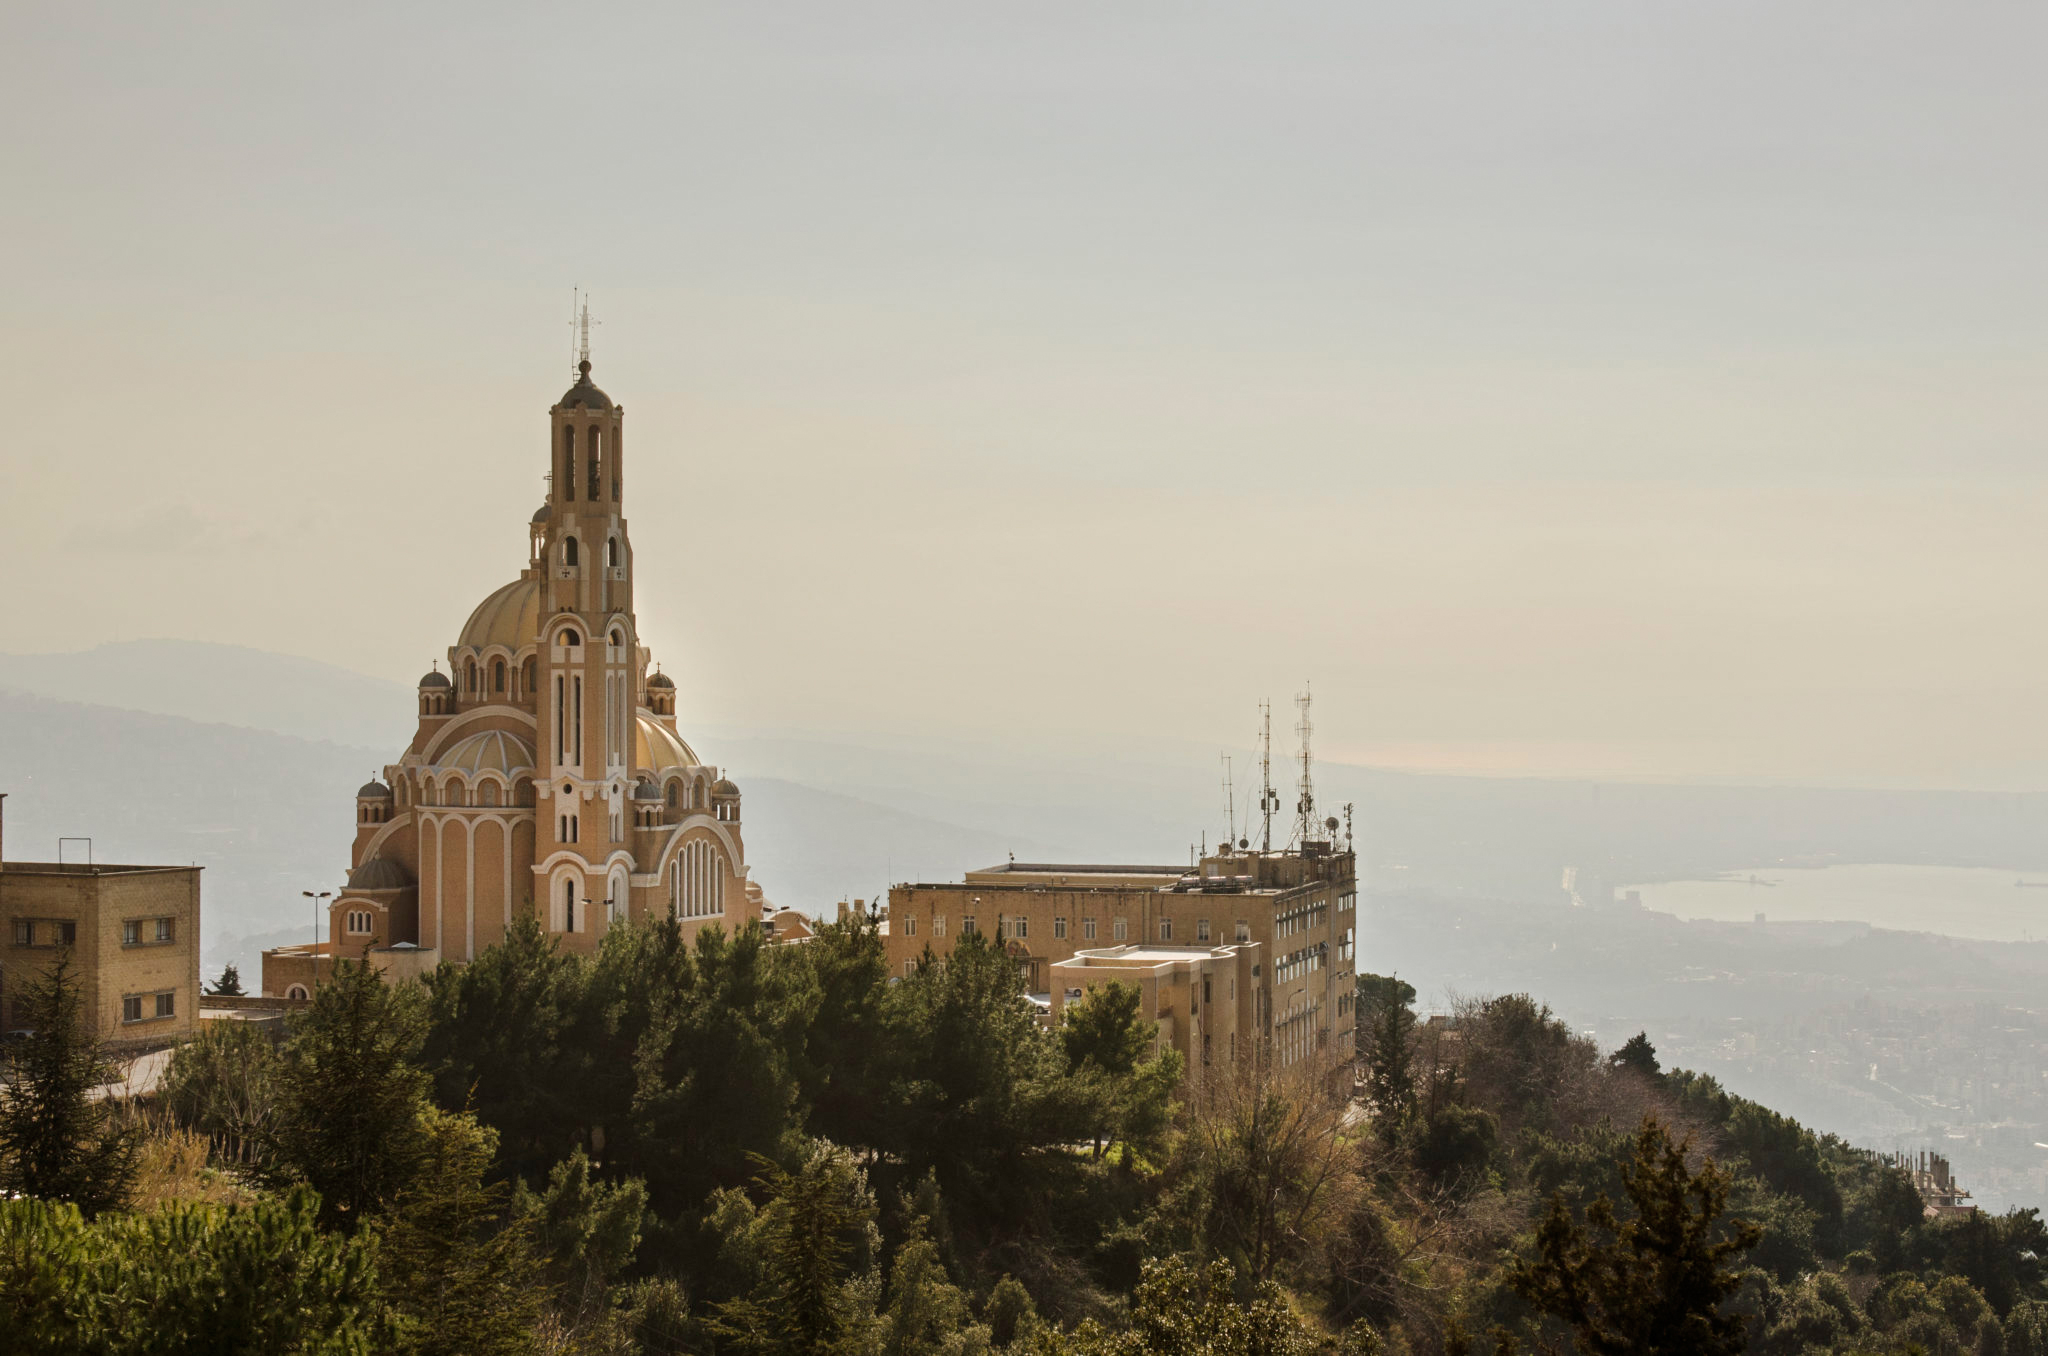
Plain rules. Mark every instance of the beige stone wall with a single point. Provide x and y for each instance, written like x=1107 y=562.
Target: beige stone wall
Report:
x=98 y=903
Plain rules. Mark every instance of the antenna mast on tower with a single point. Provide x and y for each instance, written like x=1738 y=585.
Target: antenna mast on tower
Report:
x=1229 y=805
x=1306 y=807
x=1269 y=799
x=579 y=331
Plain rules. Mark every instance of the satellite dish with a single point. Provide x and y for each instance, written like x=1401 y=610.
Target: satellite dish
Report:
x=1244 y=842
x=1331 y=823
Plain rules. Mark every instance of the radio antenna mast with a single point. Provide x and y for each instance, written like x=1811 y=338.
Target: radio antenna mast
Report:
x=1269 y=800
x=579 y=331
x=1229 y=805
x=1306 y=807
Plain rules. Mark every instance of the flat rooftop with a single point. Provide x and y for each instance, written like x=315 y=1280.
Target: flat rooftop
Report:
x=84 y=869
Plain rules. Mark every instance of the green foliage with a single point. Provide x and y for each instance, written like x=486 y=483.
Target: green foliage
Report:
x=586 y=1229
x=841 y=1059
x=58 y=1142
x=350 y=1094
x=255 y=1279
x=2026 y=1329
x=1453 y=1147
x=229 y=985
x=223 y=1084
x=1179 y=1310
x=810 y=1257
x=1389 y=1057
x=1637 y=1055
x=1377 y=992
x=1654 y=1284
x=1788 y=1156
x=457 y=1282
x=1517 y=1056
x=1011 y=1316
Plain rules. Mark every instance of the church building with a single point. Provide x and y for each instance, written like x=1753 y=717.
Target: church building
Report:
x=546 y=775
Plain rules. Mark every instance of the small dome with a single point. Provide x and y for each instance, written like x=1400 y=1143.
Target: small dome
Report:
x=540 y=515
x=379 y=873
x=646 y=790
x=436 y=679
x=373 y=790
x=583 y=393
x=722 y=787
x=656 y=748
x=487 y=751
x=661 y=680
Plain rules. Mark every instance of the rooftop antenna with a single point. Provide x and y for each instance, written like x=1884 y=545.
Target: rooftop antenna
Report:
x=1265 y=774
x=1306 y=806
x=1229 y=803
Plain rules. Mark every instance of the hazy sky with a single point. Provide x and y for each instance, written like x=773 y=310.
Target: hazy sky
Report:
x=1621 y=388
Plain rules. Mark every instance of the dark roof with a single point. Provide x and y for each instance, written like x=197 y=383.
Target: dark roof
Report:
x=436 y=679
x=661 y=680
x=722 y=787
x=373 y=790
x=379 y=873
x=585 y=394
x=646 y=790
x=540 y=515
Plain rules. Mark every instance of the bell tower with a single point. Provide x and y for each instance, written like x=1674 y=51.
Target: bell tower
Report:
x=588 y=647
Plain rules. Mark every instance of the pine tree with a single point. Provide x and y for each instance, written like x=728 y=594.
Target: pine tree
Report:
x=350 y=1095
x=229 y=985
x=1654 y=1286
x=58 y=1142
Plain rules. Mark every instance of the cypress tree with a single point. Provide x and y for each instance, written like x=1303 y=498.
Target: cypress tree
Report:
x=58 y=1141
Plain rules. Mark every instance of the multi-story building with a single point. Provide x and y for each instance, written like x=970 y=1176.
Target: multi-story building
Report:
x=132 y=933
x=546 y=776
x=1286 y=920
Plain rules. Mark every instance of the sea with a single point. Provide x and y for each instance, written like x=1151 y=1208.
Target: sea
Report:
x=1983 y=903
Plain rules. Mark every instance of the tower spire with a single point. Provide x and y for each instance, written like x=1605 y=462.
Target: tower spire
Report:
x=579 y=332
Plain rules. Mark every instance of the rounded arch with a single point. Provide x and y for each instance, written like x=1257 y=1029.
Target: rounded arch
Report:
x=469 y=675
x=617 y=896
x=454 y=791
x=297 y=991
x=522 y=791
x=570 y=550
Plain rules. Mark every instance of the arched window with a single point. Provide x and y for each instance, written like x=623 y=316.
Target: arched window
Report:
x=469 y=674
x=592 y=445
x=699 y=796
x=611 y=553
x=297 y=991
x=672 y=796
x=498 y=675
x=487 y=794
x=568 y=550
x=568 y=463
x=452 y=792
x=570 y=638
x=522 y=794
x=615 y=465
x=618 y=638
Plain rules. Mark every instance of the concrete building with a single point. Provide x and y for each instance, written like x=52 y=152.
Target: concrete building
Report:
x=1280 y=926
x=132 y=933
x=546 y=776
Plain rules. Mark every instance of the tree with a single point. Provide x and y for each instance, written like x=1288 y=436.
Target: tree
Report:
x=1267 y=1164
x=229 y=985
x=1637 y=1055
x=810 y=1254
x=509 y=1038
x=1375 y=992
x=182 y=1279
x=1122 y=1081
x=1178 y=1310
x=223 y=1084
x=1655 y=1284
x=587 y=1230
x=457 y=1282
x=1389 y=1076
x=842 y=1060
x=351 y=1095
x=59 y=1141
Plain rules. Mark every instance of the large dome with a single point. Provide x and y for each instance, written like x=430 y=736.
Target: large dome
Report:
x=656 y=748
x=510 y=617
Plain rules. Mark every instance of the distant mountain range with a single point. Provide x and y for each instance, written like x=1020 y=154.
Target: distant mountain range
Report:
x=245 y=761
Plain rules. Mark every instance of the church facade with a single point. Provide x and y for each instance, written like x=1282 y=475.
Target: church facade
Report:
x=546 y=775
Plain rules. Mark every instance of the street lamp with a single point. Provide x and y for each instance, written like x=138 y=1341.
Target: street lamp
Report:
x=319 y=905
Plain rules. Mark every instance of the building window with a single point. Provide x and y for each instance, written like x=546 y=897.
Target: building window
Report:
x=163 y=929
x=909 y=926
x=909 y=968
x=359 y=922
x=1244 y=930
x=612 y=556
x=938 y=925
x=166 y=1005
x=67 y=933
x=967 y=925
x=131 y=933
x=1015 y=927
x=1088 y=929
x=145 y=1007
x=568 y=558
x=24 y=932
x=297 y=991
x=1166 y=929
x=1201 y=929
x=131 y=1008
x=1122 y=930
x=568 y=463
x=498 y=675
x=593 y=444
x=1059 y=929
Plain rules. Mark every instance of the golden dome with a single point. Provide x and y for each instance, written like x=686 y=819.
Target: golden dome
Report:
x=510 y=617
x=656 y=748
x=487 y=751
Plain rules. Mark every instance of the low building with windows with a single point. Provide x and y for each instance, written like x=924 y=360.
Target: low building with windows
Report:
x=546 y=777
x=1288 y=918
x=1201 y=999
x=132 y=933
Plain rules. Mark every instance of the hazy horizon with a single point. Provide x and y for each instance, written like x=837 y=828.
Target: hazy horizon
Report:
x=1576 y=392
